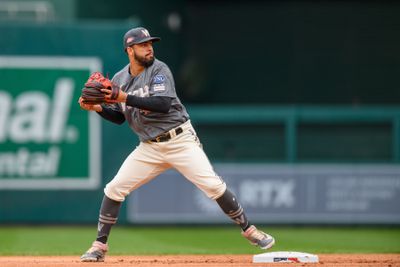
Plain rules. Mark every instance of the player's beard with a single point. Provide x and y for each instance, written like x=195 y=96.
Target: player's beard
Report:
x=143 y=61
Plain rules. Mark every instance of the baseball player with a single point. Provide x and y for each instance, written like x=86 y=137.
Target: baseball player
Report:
x=147 y=100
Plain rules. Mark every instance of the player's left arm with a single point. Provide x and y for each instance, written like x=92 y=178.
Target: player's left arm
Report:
x=160 y=104
x=160 y=97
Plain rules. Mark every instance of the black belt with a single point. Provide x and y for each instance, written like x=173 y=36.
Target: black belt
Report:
x=166 y=136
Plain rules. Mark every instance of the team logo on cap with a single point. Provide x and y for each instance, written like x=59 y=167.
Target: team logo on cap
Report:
x=145 y=33
x=130 y=39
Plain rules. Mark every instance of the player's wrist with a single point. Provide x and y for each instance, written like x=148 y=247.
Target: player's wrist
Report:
x=124 y=96
x=97 y=108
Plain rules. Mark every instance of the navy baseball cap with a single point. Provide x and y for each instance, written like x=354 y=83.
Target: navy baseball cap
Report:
x=137 y=36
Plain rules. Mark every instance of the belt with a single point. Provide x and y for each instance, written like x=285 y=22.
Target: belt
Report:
x=167 y=136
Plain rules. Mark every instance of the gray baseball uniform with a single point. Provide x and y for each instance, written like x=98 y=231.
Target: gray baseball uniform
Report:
x=167 y=140
x=156 y=80
x=152 y=158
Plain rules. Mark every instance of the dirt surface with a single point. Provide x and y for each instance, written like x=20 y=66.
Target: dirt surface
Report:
x=325 y=260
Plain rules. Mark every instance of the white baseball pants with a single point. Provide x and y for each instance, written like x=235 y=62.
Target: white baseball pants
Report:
x=182 y=152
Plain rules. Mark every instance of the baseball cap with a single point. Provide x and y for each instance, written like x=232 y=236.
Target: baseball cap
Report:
x=138 y=35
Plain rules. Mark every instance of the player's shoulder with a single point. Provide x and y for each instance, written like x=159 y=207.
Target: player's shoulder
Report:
x=121 y=75
x=160 y=67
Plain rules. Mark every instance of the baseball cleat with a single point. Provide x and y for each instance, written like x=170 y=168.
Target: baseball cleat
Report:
x=96 y=253
x=258 y=238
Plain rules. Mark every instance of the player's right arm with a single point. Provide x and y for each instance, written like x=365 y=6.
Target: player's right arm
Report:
x=107 y=112
x=111 y=114
x=89 y=107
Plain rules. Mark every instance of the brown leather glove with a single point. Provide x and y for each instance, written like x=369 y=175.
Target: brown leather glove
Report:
x=92 y=94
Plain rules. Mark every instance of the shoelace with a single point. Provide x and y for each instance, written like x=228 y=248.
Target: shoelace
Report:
x=257 y=235
x=92 y=249
x=96 y=246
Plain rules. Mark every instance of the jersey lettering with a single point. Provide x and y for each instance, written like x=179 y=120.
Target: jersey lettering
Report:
x=141 y=92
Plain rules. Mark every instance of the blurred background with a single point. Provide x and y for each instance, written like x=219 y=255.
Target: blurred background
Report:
x=296 y=104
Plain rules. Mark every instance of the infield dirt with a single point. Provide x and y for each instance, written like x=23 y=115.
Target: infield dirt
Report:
x=326 y=260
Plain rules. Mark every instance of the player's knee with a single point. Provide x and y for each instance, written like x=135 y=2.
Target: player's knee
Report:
x=115 y=192
x=216 y=191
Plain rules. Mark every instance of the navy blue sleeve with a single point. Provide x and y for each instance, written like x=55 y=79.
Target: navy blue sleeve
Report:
x=112 y=115
x=160 y=104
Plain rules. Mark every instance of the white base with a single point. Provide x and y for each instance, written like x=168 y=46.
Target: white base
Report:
x=285 y=256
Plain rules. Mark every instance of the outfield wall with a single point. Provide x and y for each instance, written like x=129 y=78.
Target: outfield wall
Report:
x=288 y=163
x=278 y=193
x=51 y=174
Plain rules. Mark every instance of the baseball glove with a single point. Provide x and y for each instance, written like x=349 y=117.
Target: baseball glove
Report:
x=92 y=94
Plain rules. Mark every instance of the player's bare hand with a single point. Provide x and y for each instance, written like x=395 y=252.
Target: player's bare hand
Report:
x=89 y=107
x=120 y=98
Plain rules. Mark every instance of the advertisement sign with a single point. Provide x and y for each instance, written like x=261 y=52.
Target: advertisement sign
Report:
x=281 y=193
x=46 y=140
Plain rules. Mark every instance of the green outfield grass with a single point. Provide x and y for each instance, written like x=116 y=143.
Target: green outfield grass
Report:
x=60 y=240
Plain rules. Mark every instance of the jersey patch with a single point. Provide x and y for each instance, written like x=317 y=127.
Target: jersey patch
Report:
x=158 y=79
x=159 y=87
